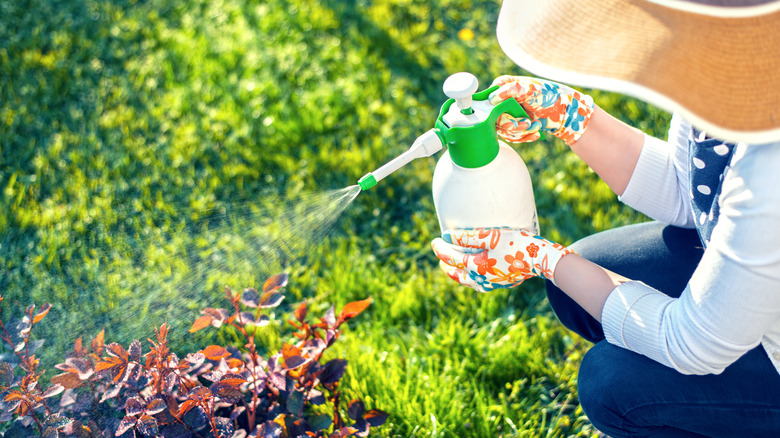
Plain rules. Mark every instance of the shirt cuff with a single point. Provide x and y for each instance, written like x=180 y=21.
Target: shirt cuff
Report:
x=632 y=316
x=642 y=191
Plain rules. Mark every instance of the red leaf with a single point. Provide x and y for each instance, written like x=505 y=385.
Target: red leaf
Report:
x=218 y=315
x=330 y=317
x=147 y=425
x=79 y=366
x=156 y=405
x=215 y=352
x=126 y=424
x=110 y=393
x=356 y=409
x=98 y=343
x=353 y=309
x=162 y=333
x=185 y=407
x=289 y=350
x=300 y=312
x=41 y=313
x=228 y=393
x=134 y=406
x=231 y=379
x=118 y=351
x=201 y=323
x=107 y=364
x=271 y=299
x=275 y=282
x=232 y=362
x=332 y=371
x=229 y=295
x=22 y=408
x=67 y=380
x=78 y=347
x=119 y=372
x=344 y=432
x=135 y=351
x=244 y=318
x=6 y=374
x=13 y=396
x=250 y=298
x=200 y=393
x=293 y=362
x=375 y=417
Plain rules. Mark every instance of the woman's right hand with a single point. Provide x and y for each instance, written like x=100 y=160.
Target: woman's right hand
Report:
x=553 y=108
x=491 y=258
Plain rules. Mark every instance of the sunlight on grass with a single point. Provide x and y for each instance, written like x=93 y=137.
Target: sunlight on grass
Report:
x=125 y=123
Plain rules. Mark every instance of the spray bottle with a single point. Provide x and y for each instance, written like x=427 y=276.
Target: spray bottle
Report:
x=479 y=181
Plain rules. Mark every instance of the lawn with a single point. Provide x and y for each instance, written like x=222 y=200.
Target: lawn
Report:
x=154 y=152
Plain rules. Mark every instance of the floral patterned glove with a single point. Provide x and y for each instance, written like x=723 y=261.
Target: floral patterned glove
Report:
x=552 y=107
x=491 y=258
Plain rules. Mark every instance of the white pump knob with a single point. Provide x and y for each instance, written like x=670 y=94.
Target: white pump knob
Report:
x=461 y=86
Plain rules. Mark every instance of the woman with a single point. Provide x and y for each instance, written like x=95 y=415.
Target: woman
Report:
x=684 y=311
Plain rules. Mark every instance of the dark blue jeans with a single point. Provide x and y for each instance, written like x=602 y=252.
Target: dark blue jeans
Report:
x=626 y=394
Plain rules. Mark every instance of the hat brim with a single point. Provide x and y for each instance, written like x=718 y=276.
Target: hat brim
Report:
x=722 y=74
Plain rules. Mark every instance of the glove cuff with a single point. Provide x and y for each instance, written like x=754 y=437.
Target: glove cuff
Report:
x=579 y=112
x=545 y=256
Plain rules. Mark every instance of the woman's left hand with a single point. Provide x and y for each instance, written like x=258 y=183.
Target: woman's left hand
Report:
x=552 y=108
x=491 y=258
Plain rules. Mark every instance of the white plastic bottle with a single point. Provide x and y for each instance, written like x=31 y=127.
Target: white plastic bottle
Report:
x=479 y=181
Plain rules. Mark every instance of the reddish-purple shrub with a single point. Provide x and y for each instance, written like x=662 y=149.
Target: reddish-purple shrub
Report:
x=108 y=390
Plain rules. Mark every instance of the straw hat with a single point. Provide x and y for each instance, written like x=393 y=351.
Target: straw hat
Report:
x=716 y=62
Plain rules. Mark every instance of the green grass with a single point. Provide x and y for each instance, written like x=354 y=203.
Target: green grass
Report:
x=152 y=152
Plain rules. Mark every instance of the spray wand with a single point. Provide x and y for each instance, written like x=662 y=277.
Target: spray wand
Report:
x=460 y=88
x=426 y=145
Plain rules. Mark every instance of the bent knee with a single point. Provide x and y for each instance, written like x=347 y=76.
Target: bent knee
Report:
x=607 y=385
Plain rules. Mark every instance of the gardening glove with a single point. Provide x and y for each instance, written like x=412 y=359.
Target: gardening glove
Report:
x=553 y=108
x=491 y=258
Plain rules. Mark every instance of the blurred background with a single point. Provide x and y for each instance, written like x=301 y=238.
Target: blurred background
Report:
x=153 y=152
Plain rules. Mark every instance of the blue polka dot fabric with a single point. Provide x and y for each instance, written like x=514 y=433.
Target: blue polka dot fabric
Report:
x=709 y=160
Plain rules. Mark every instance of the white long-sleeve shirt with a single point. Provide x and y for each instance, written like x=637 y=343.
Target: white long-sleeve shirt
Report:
x=732 y=302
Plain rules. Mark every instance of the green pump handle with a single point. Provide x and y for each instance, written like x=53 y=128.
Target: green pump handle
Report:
x=475 y=146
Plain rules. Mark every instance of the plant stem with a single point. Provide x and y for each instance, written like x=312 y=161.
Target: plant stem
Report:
x=250 y=343
x=212 y=420
x=337 y=423
x=37 y=421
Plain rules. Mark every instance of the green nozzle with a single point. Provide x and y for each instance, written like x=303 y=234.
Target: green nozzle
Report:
x=475 y=145
x=367 y=181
